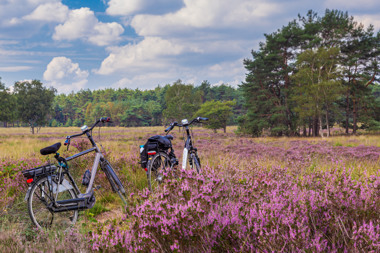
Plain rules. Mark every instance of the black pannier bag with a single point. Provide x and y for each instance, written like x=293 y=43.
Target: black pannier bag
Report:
x=154 y=143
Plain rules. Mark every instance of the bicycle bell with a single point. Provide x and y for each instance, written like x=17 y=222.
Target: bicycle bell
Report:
x=84 y=128
x=184 y=122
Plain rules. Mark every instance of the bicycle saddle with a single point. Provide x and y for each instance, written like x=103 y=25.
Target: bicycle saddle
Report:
x=51 y=149
x=170 y=137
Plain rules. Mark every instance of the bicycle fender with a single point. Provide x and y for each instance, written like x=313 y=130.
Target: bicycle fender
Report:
x=27 y=193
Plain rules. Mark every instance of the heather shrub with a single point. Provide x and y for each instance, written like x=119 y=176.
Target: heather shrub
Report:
x=266 y=210
x=262 y=194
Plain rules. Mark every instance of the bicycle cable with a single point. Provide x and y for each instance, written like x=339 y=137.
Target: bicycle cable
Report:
x=99 y=139
x=192 y=136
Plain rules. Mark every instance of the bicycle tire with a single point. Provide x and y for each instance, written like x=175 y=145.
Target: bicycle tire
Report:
x=39 y=213
x=157 y=165
x=196 y=163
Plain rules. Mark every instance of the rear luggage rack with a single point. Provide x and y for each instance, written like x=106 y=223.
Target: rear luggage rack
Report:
x=39 y=171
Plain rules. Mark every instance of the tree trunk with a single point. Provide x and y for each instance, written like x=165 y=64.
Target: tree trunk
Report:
x=320 y=125
x=347 y=111
x=354 y=116
x=315 y=127
x=225 y=129
x=327 y=122
x=304 y=130
x=310 y=127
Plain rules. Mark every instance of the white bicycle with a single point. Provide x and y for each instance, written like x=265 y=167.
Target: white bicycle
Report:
x=189 y=152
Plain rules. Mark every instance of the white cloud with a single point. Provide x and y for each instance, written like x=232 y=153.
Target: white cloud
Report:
x=205 y=14
x=122 y=7
x=65 y=75
x=130 y=7
x=12 y=11
x=367 y=20
x=82 y=24
x=150 y=52
x=362 y=4
x=15 y=68
x=145 y=81
x=231 y=70
x=50 y=12
x=231 y=73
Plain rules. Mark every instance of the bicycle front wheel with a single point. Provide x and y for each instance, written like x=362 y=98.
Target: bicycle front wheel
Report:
x=157 y=165
x=196 y=163
x=40 y=200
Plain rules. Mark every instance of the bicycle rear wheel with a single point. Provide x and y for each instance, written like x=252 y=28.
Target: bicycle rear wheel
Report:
x=41 y=197
x=157 y=165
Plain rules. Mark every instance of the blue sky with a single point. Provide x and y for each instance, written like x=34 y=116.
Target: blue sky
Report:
x=92 y=44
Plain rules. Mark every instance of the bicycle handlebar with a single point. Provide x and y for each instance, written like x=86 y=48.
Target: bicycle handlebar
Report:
x=196 y=120
x=102 y=119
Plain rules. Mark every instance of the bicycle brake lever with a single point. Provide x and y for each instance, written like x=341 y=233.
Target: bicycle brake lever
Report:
x=67 y=143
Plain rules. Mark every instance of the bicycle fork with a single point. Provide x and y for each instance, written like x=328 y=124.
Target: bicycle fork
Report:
x=115 y=183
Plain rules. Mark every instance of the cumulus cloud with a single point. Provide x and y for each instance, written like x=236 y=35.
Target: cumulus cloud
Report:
x=11 y=12
x=122 y=7
x=146 y=81
x=65 y=75
x=126 y=8
x=150 y=52
x=369 y=19
x=205 y=14
x=82 y=24
x=186 y=43
x=50 y=12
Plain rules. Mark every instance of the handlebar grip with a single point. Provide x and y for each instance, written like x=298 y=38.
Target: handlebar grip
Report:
x=172 y=125
x=105 y=119
x=201 y=119
x=67 y=142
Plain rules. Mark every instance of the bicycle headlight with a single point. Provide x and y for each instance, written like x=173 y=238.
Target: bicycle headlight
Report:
x=84 y=128
x=184 y=122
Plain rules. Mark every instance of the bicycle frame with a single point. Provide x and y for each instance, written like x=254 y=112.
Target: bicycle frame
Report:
x=188 y=143
x=188 y=148
x=104 y=165
x=86 y=200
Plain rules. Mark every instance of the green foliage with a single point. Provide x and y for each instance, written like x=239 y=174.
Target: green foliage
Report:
x=77 y=122
x=6 y=105
x=34 y=102
x=128 y=107
x=218 y=113
x=301 y=72
x=54 y=123
x=181 y=101
x=69 y=123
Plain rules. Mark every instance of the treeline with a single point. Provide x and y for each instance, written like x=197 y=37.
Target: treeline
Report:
x=131 y=108
x=126 y=107
x=311 y=74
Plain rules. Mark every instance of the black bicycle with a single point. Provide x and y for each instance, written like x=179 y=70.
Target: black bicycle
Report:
x=190 y=153
x=157 y=157
x=53 y=197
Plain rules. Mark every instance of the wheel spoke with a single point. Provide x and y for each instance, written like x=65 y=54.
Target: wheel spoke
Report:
x=44 y=217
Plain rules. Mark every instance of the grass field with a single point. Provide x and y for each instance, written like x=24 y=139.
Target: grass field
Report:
x=254 y=194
